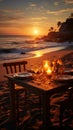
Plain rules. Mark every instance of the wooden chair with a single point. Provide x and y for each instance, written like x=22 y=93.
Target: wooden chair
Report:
x=66 y=106
x=14 y=67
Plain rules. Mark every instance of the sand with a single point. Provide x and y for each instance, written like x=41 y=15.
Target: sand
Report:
x=67 y=55
x=36 y=61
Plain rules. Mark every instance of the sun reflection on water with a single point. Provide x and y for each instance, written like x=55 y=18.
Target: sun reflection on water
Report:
x=38 y=54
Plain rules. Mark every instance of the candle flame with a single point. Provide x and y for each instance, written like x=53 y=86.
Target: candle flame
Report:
x=47 y=67
x=49 y=71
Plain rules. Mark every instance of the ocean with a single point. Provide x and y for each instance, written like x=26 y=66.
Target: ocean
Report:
x=17 y=47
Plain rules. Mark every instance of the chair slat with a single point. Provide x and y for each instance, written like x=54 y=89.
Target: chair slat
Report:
x=19 y=68
x=14 y=67
x=7 y=69
x=11 y=70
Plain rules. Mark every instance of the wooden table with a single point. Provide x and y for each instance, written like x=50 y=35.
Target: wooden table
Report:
x=41 y=86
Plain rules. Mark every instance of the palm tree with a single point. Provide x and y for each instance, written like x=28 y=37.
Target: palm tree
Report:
x=51 y=29
x=59 y=24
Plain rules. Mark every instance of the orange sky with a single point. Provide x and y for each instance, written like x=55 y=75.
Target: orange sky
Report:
x=26 y=17
x=25 y=30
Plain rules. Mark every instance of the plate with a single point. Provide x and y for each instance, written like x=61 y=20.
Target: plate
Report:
x=68 y=70
x=23 y=75
x=64 y=78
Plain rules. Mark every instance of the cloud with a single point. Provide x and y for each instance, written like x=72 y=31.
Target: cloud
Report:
x=16 y=18
x=65 y=10
x=12 y=18
x=56 y=3
x=11 y=15
x=58 y=12
x=33 y=5
x=69 y=1
x=39 y=18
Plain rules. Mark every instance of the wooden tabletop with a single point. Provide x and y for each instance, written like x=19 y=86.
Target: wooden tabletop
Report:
x=39 y=82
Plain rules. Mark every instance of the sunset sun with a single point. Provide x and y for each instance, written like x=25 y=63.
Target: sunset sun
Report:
x=36 y=32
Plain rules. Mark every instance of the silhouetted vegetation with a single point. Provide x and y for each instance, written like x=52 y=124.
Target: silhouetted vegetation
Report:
x=65 y=32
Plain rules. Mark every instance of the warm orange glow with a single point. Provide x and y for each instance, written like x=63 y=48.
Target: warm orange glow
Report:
x=36 y=31
x=25 y=30
x=38 y=54
x=49 y=71
x=59 y=62
x=47 y=67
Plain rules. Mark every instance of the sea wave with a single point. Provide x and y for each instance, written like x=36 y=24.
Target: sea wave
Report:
x=20 y=47
x=18 y=54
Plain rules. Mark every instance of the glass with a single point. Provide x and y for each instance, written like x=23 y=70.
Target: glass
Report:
x=57 y=66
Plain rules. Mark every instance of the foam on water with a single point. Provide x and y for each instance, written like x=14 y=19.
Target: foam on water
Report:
x=23 y=47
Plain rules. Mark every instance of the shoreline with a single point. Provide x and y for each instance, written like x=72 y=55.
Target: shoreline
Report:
x=19 y=51
x=33 y=54
x=37 y=61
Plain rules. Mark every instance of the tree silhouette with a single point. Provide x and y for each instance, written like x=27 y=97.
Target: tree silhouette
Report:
x=59 y=24
x=65 y=32
x=51 y=29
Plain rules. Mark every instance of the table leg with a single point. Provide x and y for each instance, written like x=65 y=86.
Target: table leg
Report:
x=45 y=102
x=12 y=103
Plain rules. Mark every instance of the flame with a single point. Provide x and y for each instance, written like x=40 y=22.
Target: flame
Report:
x=49 y=71
x=59 y=62
x=47 y=67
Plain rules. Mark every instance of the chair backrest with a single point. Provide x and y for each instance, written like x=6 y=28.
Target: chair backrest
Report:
x=14 y=67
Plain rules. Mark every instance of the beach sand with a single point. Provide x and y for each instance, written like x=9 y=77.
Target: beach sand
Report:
x=36 y=61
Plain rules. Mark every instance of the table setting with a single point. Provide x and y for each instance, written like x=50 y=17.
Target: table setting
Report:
x=47 y=73
x=43 y=80
x=22 y=75
x=68 y=71
x=55 y=71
